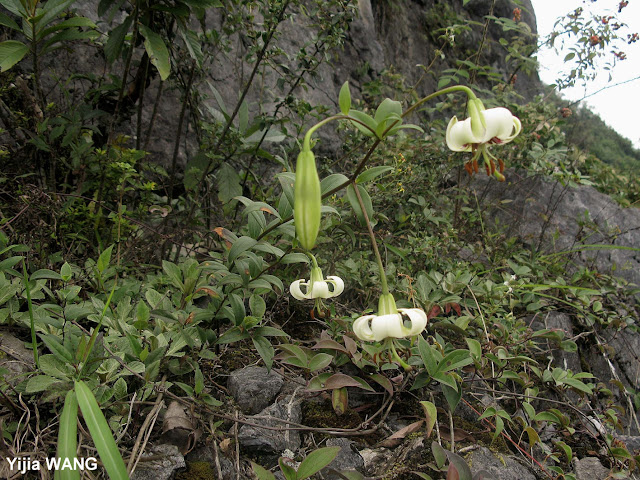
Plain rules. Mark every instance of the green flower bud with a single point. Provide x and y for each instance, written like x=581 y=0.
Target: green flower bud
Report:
x=387 y=305
x=478 y=124
x=307 y=199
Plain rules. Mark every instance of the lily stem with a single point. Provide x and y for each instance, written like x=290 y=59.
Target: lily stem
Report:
x=383 y=277
x=394 y=354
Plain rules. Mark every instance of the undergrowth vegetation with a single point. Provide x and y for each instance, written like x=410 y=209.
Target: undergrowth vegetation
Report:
x=135 y=280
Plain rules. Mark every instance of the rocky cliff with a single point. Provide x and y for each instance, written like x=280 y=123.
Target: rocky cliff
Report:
x=412 y=42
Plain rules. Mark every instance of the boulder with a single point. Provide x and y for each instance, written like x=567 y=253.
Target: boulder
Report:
x=498 y=466
x=254 y=388
x=277 y=438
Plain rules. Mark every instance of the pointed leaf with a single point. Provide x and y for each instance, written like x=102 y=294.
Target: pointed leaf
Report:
x=431 y=415
x=157 y=51
x=68 y=437
x=100 y=433
x=11 y=52
x=344 y=99
x=316 y=461
x=262 y=473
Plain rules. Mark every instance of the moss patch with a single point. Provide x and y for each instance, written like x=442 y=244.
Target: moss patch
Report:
x=198 y=471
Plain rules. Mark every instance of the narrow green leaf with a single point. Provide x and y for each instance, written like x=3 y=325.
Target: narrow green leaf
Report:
x=332 y=181
x=367 y=120
x=51 y=9
x=387 y=111
x=239 y=246
x=319 y=361
x=265 y=349
x=104 y=259
x=453 y=396
x=454 y=360
x=40 y=383
x=193 y=45
x=157 y=51
x=68 y=437
x=114 y=44
x=257 y=305
x=8 y=22
x=287 y=470
x=58 y=350
x=431 y=415
x=439 y=454
x=372 y=173
x=229 y=185
x=344 y=98
x=100 y=433
x=355 y=204
x=199 y=381
x=428 y=355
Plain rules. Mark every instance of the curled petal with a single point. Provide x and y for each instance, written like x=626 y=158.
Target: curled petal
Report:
x=517 y=128
x=296 y=292
x=338 y=285
x=418 y=321
x=501 y=124
x=362 y=328
x=459 y=135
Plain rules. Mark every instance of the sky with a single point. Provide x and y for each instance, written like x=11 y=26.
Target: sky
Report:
x=618 y=106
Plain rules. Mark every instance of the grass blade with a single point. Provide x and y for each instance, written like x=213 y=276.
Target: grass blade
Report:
x=68 y=437
x=101 y=433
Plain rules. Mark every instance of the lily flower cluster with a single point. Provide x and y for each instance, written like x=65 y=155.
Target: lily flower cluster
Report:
x=476 y=134
x=482 y=129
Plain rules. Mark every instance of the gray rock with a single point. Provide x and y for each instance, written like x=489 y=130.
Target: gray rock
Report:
x=555 y=218
x=253 y=388
x=267 y=441
x=168 y=462
x=559 y=321
x=499 y=467
x=348 y=458
x=590 y=468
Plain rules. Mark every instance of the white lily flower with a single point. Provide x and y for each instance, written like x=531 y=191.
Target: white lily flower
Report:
x=481 y=129
x=390 y=323
x=500 y=127
x=317 y=286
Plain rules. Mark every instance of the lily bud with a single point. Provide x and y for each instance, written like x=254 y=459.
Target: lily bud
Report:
x=478 y=123
x=307 y=199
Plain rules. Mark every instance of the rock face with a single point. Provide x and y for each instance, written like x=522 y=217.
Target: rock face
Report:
x=397 y=37
x=505 y=468
x=555 y=218
x=590 y=468
x=253 y=388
